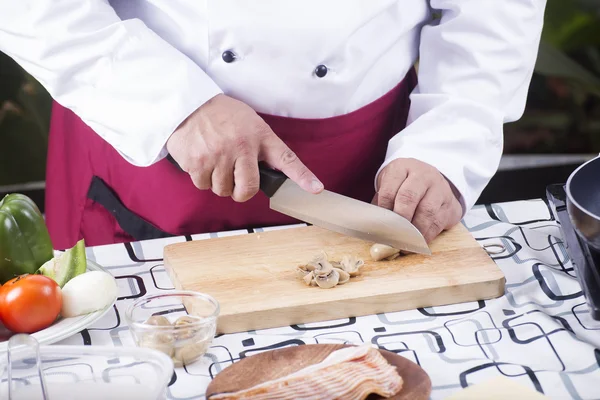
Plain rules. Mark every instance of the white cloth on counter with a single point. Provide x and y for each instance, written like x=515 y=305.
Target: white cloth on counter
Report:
x=539 y=333
x=134 y=69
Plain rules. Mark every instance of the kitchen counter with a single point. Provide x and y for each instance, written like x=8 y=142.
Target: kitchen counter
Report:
x=539 y=333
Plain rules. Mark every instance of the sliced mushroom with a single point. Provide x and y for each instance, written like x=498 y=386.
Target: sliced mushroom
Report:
x=323 y=268
x=328 y=281
x=383 y=252
x=318 y=258
x=302 y=271
x=158 y=320
x=307 y=267
x=163 y=342
x=158 y=337
x=186 y=320
x=181 y=331
x=321 y=264
x=188 y=354
x=308 y=279
x=351 y=265
x=325 y=273
x=344 y=276
x=317 y=262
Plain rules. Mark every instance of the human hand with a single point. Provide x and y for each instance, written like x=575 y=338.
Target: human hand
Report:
x=420 y=193
x=221 y=144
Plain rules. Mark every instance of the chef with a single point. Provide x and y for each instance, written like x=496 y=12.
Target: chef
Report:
x=396 y=102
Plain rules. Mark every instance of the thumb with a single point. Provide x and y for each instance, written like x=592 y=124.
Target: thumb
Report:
x=279 y=156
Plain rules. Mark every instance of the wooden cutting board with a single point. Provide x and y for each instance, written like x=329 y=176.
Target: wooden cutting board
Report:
x=253 y=276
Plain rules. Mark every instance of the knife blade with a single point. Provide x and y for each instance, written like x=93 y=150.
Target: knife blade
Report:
x=341 y=214
x=338 y=213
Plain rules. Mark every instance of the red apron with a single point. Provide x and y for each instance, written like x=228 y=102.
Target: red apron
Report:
x=93 y=193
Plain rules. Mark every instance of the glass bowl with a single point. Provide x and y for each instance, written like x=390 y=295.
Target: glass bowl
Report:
x=181 y=324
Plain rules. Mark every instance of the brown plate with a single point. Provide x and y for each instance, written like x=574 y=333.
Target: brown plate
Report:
x=274 y=364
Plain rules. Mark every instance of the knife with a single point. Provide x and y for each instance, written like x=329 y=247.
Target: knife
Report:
x=338 y=213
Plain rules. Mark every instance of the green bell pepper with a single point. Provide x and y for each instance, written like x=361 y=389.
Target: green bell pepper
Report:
x=24 y=238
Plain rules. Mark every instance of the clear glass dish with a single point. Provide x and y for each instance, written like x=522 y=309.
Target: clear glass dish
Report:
x=51 y=372
x=181 y=324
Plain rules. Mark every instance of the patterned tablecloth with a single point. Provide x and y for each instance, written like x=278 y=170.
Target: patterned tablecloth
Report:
x=539 y=333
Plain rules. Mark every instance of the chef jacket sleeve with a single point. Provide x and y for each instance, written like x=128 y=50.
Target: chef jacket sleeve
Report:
x=118 y=76
x=474 y=71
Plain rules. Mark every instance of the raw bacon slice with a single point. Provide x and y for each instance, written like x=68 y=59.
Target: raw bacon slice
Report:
x=351 y=373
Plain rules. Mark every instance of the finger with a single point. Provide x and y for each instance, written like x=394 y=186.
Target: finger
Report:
x=389 y=184
x=455 y=212
x=431 y=213
x=410 y=194
x=375 y=199
x=281 y=157
x=202 y=178
x=222 y=179
x=246 y=179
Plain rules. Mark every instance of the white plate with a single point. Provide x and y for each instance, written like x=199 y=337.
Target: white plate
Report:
x=66 y=327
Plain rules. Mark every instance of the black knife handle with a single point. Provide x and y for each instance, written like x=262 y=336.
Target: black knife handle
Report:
x=172 y=161
x=270 y=180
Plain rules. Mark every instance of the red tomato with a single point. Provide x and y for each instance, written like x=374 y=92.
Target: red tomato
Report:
x=29 y=303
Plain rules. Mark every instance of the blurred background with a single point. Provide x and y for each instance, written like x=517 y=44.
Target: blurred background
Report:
x=559 y=130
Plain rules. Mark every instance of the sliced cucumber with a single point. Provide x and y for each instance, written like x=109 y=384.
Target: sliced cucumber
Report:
x=66 y=266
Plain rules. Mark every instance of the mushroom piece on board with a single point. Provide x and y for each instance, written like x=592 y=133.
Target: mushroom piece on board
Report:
x=383 y=252
x=325 y=273
x=329 y=280
x=351 y=265
x=344 y=276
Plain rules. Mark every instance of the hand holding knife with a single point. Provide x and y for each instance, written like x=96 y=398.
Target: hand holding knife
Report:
x=339 y=213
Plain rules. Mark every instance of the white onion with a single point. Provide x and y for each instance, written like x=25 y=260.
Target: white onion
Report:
x=88 y=292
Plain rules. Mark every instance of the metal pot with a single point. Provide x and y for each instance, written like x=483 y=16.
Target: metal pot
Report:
x=583 y=207
x=583 y=201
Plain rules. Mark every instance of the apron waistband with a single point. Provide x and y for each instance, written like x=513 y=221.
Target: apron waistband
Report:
x=331 y=127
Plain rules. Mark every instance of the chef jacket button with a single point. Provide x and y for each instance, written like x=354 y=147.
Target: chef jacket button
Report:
x=228 y=56
x=321 y=71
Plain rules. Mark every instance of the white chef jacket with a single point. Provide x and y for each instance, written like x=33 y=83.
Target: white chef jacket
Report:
x=133 y=70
